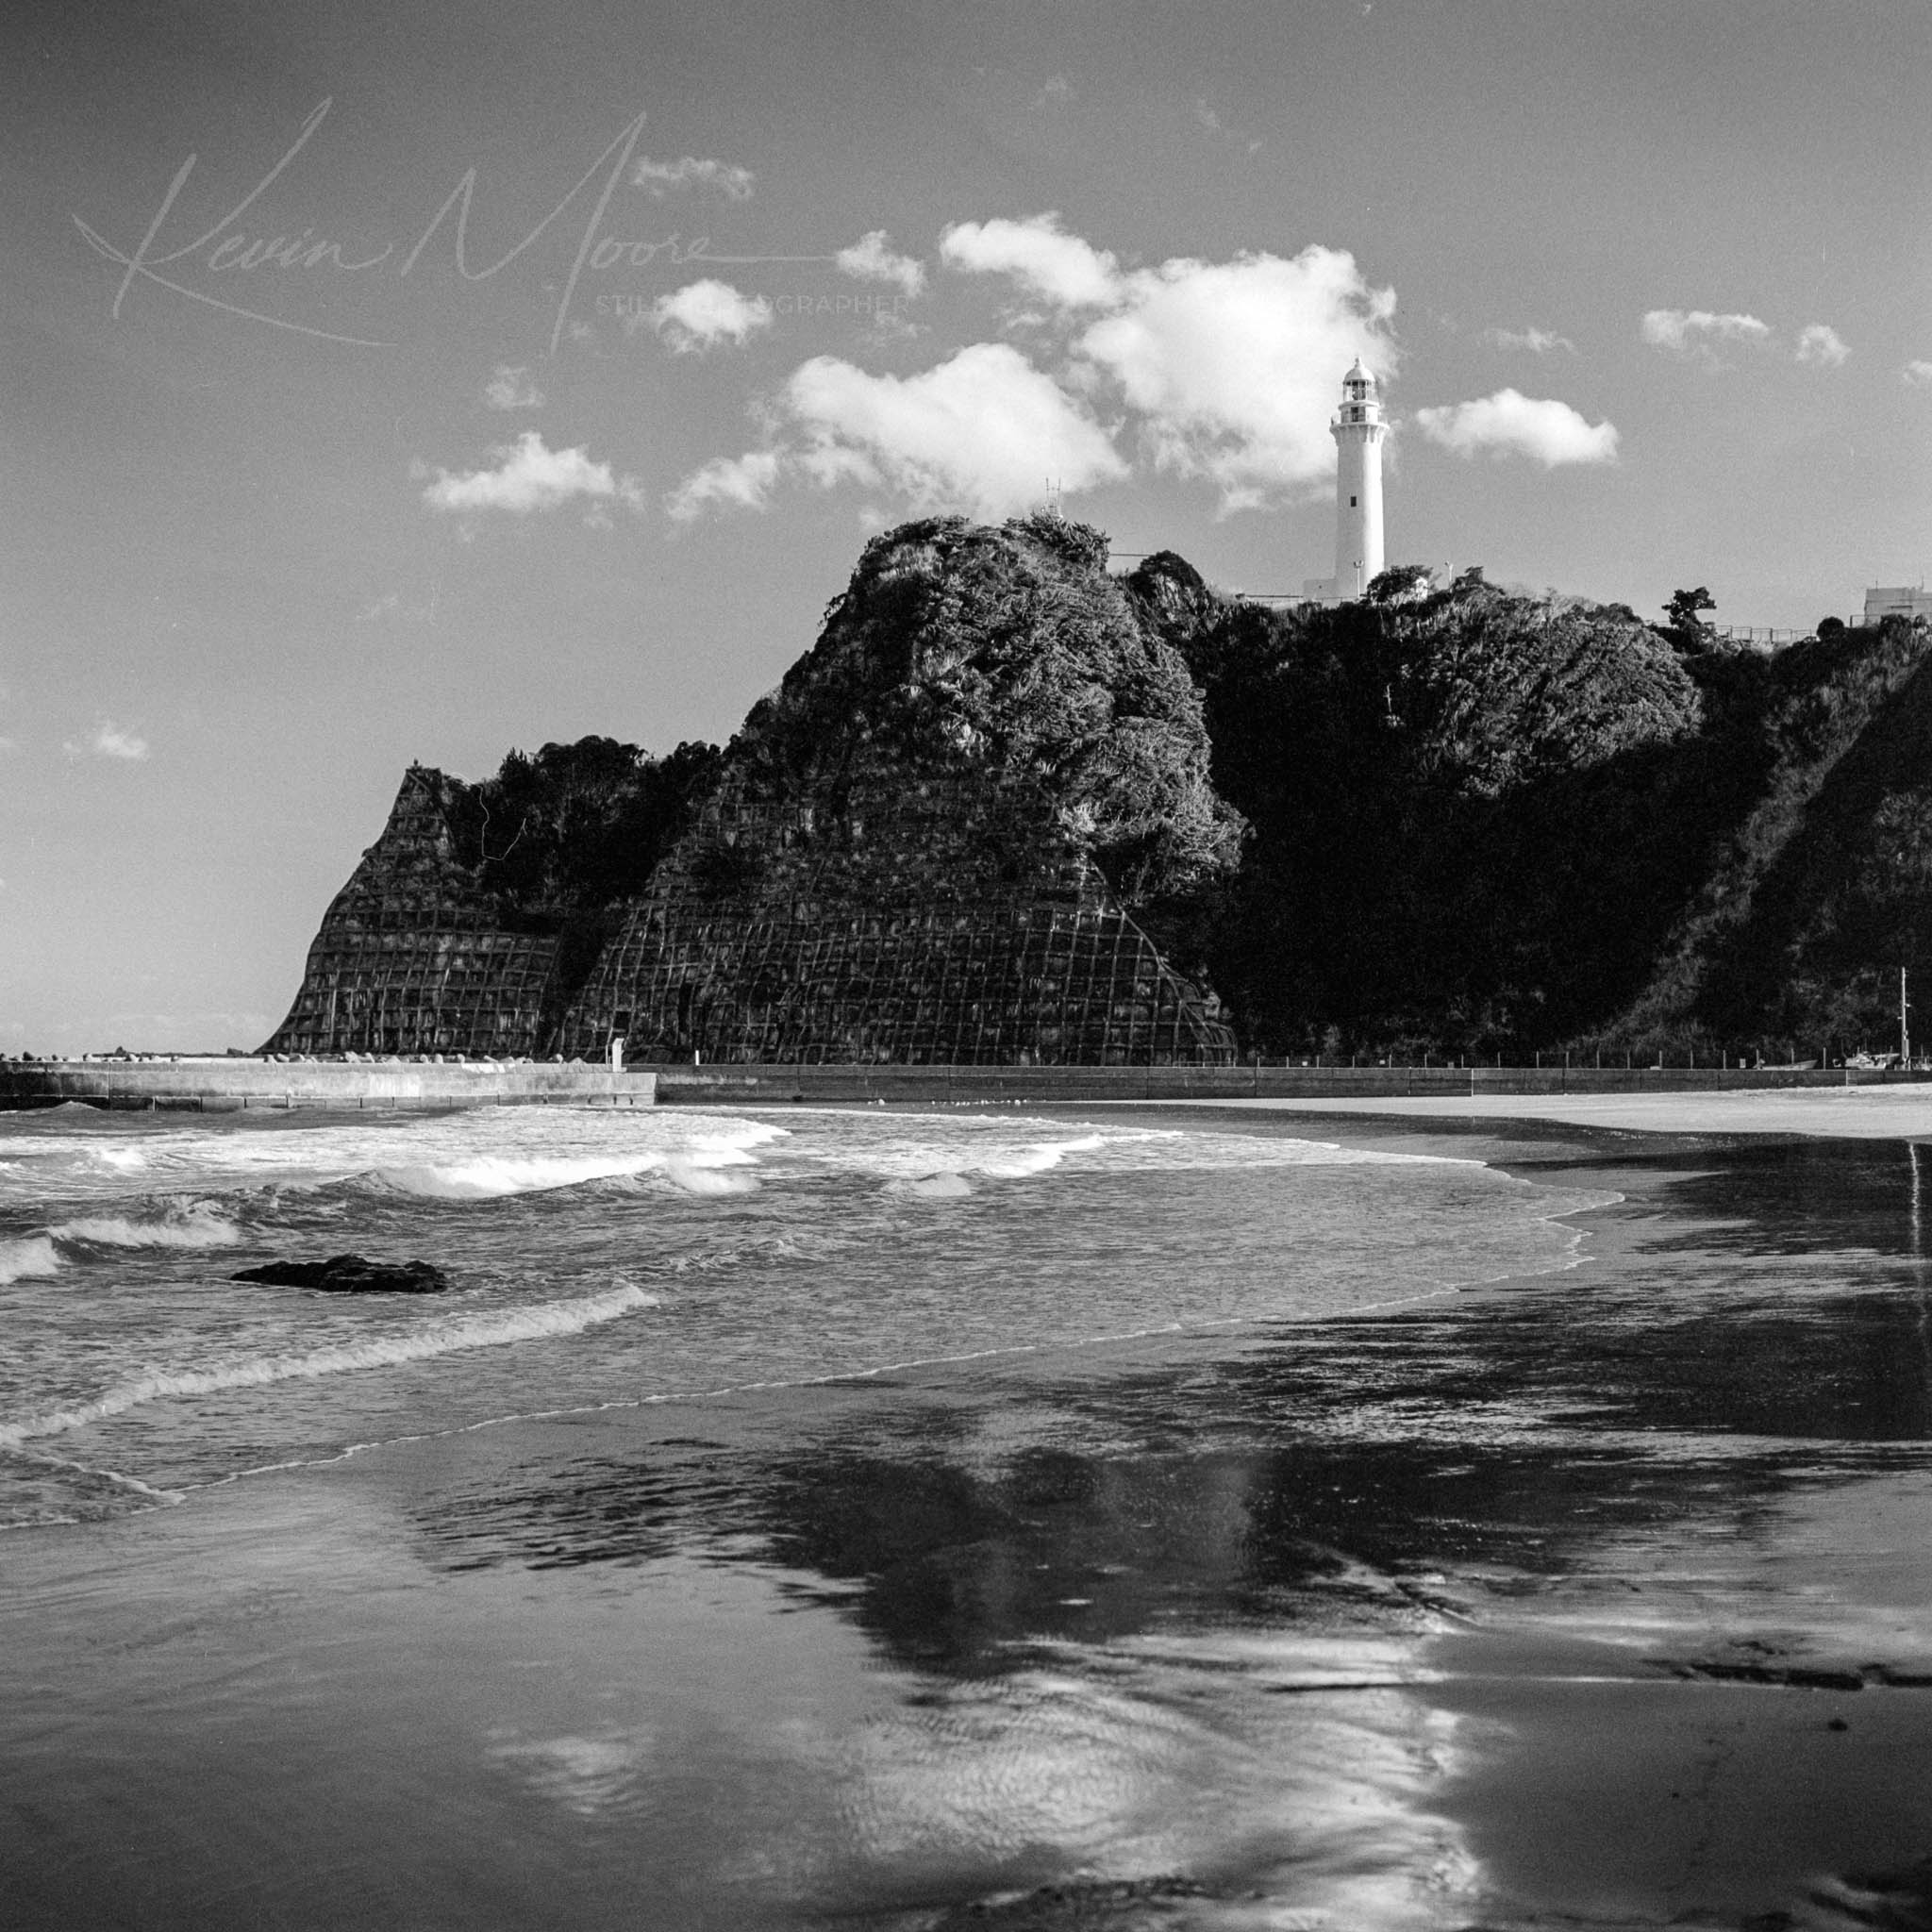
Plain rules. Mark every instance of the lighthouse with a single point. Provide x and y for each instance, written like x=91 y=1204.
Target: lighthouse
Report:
x=1357 y=430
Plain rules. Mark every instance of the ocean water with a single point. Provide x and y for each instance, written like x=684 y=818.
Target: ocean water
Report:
x=912 y=1521
x=611 y=1258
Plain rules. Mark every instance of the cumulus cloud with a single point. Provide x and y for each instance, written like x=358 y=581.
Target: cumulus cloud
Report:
x=1226 y=370
x=1037 y=253
x=1918 y=374
x=108 y=742
x=1511 y=424
x=725 y=482
x=1231 y=367
x=702 y=314
x=668 y=177
x=872 y=259
x=511 y=388
x=1235 y=366
x=1685 y=330
x=529 y=477
x=1822 y=347
x=985 y=430
x=1539 y=342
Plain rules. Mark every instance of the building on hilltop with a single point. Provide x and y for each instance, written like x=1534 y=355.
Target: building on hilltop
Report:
x=1902 y=600
x=1357 y=429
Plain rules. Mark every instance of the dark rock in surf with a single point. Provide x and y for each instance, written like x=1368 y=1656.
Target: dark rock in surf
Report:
x=351 y=1275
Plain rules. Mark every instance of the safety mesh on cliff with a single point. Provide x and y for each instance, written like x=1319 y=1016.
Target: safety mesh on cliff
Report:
x=942 y=919
x=412 y=958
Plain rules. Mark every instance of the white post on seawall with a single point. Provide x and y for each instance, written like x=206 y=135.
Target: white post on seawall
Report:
x=617 y=1053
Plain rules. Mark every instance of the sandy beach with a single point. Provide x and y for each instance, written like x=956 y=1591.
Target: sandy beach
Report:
x=1849 y=1113
x=1589 y=1598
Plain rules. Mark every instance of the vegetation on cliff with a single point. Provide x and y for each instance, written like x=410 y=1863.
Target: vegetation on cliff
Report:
x=1486 y=821
x=571 y=827
x=1012 y=646
x=1823 y=888
x=1471 y=810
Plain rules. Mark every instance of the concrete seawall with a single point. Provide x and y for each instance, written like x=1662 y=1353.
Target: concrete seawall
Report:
x=222 y=1085
x=228 y=1085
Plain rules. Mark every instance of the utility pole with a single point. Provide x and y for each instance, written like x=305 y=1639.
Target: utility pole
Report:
x=1904 y=1023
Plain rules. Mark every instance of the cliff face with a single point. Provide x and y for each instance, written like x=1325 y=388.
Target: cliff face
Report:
x=929 y=844
x=414 y=955
x=1474 y=812
x=1010 y=809
x=1823 y=888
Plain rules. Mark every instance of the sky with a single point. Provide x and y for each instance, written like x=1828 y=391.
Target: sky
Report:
x=385 y=381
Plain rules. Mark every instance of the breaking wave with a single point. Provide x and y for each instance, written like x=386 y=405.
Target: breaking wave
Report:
x=439 y=1338
x=197 y=1226
x=934 y=1187
x=33 y=1256
x=697 y=1169
x=1037 y=1159
x=124 y=1158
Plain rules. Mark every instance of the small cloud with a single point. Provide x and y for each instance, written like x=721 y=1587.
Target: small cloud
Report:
x=511 y=388
x=1038 y=253
x=1540 y=342
x=668 y=177
x=743 y=482
x=1511 y=424
x=529 y=477
x=889 y=326
x=1686 y=330
x=1823 y=347
x=381 y=607
x=1206 y=117
x=1917 y=374
x=108 y=742
x=872 y=259
x=1056 y=92
x=702 y=314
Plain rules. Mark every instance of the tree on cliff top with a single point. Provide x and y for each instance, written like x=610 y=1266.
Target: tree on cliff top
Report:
x=1011 y=646
x=573 y=826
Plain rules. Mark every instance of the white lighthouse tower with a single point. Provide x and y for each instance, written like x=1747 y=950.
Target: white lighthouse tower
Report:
x=1357 y=430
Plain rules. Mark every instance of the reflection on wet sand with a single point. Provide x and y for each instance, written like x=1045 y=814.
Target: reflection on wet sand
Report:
x=1558 y=1604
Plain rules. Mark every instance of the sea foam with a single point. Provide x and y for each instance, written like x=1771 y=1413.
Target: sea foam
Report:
x=34 y=1255
x=490 y=1177
x=435 y=1338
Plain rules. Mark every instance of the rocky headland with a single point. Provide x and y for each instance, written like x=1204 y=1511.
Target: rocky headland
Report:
x=1013 y=809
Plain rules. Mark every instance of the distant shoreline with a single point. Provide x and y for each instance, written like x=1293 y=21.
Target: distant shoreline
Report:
x=218 y=1084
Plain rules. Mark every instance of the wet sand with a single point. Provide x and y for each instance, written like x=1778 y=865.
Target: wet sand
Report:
x=1590 y=1599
